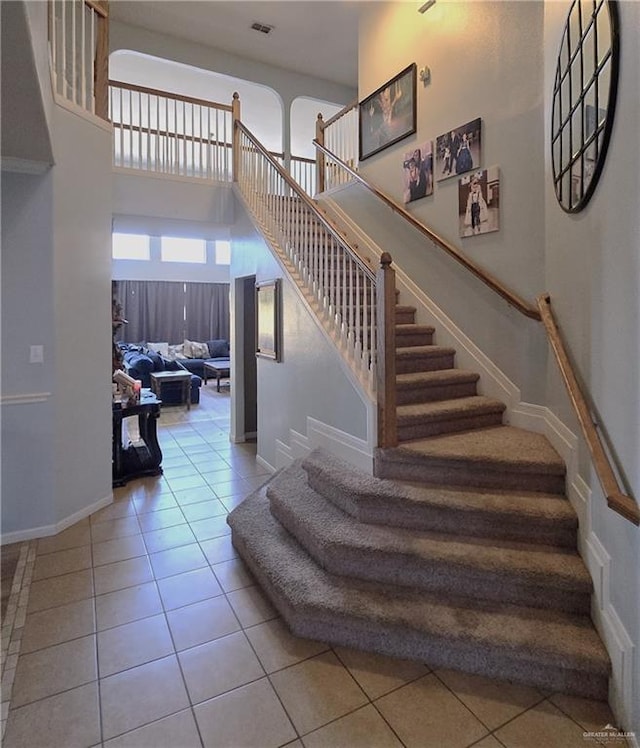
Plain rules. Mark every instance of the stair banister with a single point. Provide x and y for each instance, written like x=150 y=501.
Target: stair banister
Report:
x=487 y=278
x=386 y=369
x=616 y=498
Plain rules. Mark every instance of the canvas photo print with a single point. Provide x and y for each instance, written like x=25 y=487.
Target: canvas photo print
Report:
x=459 y=151
x=479 y=202
x=417 y=170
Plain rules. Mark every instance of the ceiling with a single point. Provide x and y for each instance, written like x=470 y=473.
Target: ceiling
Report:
x=315 y=37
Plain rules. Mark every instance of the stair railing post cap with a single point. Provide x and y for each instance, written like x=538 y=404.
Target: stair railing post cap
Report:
x=385 y=259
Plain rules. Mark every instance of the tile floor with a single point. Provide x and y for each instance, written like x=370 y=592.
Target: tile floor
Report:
x=143 y=628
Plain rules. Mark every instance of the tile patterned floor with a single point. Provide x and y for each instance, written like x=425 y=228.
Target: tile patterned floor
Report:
x=142 y=628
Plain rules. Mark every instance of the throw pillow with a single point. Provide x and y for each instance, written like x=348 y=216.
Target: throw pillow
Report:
x=193 y=349
x=218 y=348
x=161 y=348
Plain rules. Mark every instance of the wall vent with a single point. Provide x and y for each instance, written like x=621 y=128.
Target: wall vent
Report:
x=264 y=28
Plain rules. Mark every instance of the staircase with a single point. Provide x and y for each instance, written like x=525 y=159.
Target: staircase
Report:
x=461 y=552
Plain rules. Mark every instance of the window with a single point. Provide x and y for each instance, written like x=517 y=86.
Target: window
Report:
x=130 y=247
x=223 y=253
x=175 y=249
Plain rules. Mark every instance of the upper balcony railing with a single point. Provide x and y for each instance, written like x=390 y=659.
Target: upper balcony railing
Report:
x=79 y=49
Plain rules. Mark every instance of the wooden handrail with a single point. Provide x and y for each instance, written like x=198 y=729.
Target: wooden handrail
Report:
x=99 y=6
x=169 y=95
x=386 y=355
x=487 y=278
x=306 y=200
x=616 y=498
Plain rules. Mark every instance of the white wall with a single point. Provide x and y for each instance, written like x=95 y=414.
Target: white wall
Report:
x=309 y=381
x=592 y=269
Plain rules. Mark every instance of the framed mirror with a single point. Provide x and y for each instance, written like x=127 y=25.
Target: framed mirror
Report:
x=584 y=99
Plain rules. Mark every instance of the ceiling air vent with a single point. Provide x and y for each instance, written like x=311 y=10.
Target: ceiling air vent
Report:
x=264 y=28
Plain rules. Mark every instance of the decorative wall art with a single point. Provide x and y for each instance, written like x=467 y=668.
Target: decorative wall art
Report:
x=479 y=202
x=268 y=318
x=417 y=168
x=388 y=114
x=459 y=150
x=584 y=99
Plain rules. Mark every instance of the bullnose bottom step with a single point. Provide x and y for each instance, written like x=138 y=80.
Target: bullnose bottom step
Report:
x=545 y=649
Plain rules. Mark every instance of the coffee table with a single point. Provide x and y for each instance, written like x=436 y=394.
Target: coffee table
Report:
x=220 y=368
x=160 y=378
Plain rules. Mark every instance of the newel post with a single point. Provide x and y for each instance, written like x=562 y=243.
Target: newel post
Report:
x=319 y=155
x=386 y=358
x=235 y=117
x=101 y=63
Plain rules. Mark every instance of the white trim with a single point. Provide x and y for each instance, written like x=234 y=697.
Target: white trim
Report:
x=24 y=165
x=265 y=464
x=85 y=114
x=25 y=398
x=132 y=171
x=42 y=532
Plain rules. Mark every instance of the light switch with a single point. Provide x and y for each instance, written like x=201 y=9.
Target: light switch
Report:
x=36 y=354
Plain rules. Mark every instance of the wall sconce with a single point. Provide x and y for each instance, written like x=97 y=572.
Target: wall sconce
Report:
x=423 y=7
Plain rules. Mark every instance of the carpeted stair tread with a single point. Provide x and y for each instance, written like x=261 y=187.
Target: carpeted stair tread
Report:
x=433 y=351
x=504 y=446
x=537 y=517
x=435 y=378
x=516 y=572
x=445 y=409
x=541 y=648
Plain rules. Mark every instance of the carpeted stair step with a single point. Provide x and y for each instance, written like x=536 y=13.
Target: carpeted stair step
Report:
x=528 y=517
x=516 y=573
x=413 y=335
x=444 y=384
x=405 y=315
x=417 y=420
x=540 y=648
x=500 y=457
x=424 y=358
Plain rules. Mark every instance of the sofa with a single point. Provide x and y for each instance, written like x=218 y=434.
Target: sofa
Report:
x=139 y=362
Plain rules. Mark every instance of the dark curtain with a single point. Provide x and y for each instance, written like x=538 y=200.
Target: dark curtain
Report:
x=207 y=315
x=154 y=310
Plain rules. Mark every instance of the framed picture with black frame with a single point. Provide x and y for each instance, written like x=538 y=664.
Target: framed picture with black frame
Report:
x=268 y=319
x=388 y=114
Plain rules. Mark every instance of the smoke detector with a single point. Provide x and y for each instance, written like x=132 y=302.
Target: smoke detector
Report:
x=264 y=28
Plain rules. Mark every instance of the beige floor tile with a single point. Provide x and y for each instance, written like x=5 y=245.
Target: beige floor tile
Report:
x=363 y=728
x=203 y=510
x=73 y=537
x=141 y=695
x=177 y=560
x=184 y=589
x=133 y=644
x=62 y=562
x=231 y=502
x=57 y=625
x=219 y=666
x=177 y=731
x=591 y=715
x=214 y=527
x=122 y=574
x=70 y=719
x=425 y=714
x=544 y=725
x=233 y=575
x=219 y=549
x=156 y=502
x=278 y=648
x=202 y=622
x=161 y=519
x=378 y=674
x=68 y=588
x=131 y=604
x=194 y=496
x=179 y=470
x=168 y=537
x=494 y=702
x=119 y=549
x=251 y=717
x=231 y=488
x=317 y=691
x=53 y=670
x=118 y=510
x=251 y=606
x=115 y=528
x=187 y=483
x=489 y=742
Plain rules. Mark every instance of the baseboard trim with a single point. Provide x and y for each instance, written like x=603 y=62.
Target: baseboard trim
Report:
x=46 y=530
x=267 y=466
x=28 y=398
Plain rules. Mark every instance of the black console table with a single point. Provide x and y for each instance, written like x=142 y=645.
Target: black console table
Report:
x=142 y=457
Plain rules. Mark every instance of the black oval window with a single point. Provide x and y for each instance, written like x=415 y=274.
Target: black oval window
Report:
x=584 y=98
